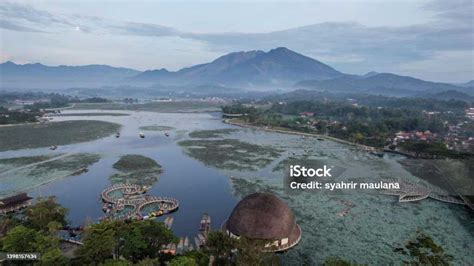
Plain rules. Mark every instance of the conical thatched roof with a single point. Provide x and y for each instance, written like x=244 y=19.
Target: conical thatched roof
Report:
x=262 y=216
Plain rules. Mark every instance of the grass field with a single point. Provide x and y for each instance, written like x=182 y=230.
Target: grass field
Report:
x=56 y=133
x=160 y=107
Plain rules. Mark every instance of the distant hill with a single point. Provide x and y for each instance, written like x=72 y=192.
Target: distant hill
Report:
x=467 y=84
x=277 y=69
x=279 y=66
x=38 y=75
x=450 y=95
x=380 y=83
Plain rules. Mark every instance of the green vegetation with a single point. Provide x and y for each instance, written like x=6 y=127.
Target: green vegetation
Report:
x=422 y=250
x=136 y=169
x=156 y=128
x=11 y=163
x=37 y=170
x=131 y=240
x=56 y=133
x=70 y=163
x=230 y=153
x=370 y=124
x=8 y=117
x=436 y=149
x=36 y=233
x=215 y=133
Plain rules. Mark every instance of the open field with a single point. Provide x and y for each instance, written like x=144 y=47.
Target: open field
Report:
x=56 y=133
x=161 y=107
x=136 y=169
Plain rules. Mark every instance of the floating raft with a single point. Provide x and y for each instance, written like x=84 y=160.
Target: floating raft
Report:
x=134 y=197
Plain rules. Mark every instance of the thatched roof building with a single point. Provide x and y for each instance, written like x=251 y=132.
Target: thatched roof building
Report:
x=264 y=216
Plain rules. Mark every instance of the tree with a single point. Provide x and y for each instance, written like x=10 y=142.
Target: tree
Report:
x=46 y=210
x=100 y=243
x=23 y=239
x=249 y=252
x=133 y=240
x=20 y=239
x=183 y=261
x=221 y=246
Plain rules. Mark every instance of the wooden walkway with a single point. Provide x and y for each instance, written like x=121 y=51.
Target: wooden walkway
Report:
x=410 y=192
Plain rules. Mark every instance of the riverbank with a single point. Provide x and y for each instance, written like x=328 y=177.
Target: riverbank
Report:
x=240 y=123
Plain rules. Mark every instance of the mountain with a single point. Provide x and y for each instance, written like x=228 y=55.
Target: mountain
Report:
x=380 y=83
x=38 y=75
x=467 y=84
x=279 y=66
x=370 y=74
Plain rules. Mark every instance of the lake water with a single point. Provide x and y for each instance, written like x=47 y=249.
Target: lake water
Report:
x=372 y=228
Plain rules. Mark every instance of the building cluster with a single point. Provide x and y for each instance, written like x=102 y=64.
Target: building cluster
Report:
x=470 y=113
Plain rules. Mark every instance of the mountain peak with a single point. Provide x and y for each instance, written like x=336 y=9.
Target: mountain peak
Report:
x=370 y=74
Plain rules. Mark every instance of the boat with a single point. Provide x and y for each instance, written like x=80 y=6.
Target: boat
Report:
x=167 y=134
x=378 y=154
x=117 y=135
x=53 y=147
x=205 y=223
x=197 y=242
x=142 y=135
x=168 y=222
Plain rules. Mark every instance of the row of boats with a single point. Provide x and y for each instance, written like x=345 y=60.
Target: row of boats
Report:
x=184 y=243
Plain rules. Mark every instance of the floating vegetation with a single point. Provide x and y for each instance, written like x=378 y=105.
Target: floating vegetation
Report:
x=157 y=128
x=136 y=169
x=230 y=154
x=93 y=114
x=216 y=133
x=38 y=172
x=71 y=163
x=422 y=250
x=165 y=107
x=12 y=163
x=55 y=133
x=243 y=187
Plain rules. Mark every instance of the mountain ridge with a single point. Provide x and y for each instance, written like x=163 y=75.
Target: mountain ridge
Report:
x=278 y=68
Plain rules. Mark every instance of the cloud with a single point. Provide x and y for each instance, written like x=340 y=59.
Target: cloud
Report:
x=350 y=46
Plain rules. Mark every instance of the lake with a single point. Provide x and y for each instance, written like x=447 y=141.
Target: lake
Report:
x=368 y=232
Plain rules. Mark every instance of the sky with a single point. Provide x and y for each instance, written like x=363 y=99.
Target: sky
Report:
x=429 y=39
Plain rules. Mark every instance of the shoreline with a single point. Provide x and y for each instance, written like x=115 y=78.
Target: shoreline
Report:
x=294 y=132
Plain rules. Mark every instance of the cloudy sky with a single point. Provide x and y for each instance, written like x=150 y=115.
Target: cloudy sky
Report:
x=430 y=39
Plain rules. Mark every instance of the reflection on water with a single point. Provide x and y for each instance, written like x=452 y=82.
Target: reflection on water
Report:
x=362 y=227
